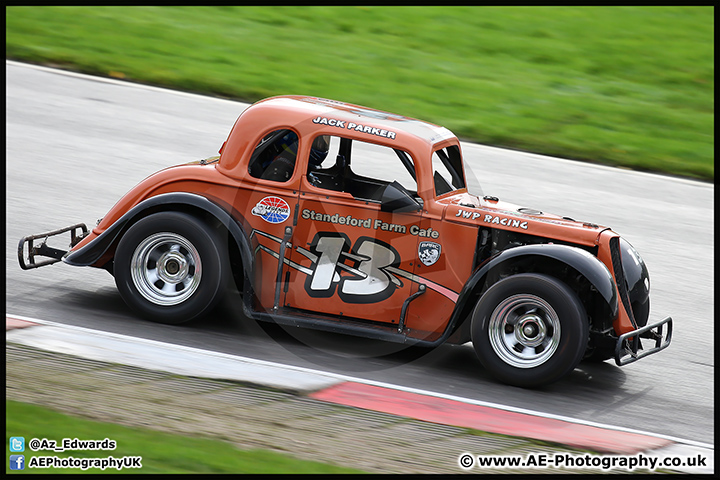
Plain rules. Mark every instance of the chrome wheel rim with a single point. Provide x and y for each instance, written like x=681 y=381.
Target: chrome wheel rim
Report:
x=166 y=269
x=524 y=331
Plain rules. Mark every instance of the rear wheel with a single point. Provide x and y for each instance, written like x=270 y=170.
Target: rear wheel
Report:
x=170 y=268
x=529 y=330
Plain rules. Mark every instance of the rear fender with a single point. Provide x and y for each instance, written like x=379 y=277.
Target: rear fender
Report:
x=92 y=252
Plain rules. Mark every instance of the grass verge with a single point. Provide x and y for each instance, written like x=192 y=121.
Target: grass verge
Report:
x=160 y=452
x=625 y=86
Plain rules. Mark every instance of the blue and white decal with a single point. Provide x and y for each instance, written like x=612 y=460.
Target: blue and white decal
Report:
x=272 y=209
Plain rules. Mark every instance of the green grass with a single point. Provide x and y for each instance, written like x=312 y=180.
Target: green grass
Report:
x=626 y=86
x=160 y=452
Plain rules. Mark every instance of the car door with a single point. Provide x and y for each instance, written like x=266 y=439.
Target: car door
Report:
x=349 y=258
x=269 y=207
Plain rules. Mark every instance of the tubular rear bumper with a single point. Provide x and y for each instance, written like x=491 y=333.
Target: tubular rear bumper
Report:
x=629 y=347
x=26 y=258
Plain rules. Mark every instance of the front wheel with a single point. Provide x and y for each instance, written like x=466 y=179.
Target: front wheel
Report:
x=529 y=330
x=170 y=268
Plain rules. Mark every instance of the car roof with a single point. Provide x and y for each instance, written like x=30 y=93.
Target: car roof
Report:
x=346 y=116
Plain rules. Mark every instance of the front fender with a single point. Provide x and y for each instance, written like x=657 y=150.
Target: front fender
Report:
x=91 y=253
x=582 y=261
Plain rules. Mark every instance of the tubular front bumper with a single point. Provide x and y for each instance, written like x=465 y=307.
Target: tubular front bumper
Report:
x=629 y=347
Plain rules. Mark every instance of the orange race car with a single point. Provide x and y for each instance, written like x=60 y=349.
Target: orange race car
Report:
x=339 y=217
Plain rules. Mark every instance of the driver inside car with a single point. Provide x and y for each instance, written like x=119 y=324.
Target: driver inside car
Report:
x=281 y=166
x=318 y=153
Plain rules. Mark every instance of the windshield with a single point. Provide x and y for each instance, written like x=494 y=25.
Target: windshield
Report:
x=447 y=170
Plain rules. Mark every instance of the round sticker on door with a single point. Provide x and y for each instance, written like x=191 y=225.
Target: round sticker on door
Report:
x=272 y=209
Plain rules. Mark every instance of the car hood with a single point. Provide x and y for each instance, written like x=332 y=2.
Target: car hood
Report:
x=493 y=213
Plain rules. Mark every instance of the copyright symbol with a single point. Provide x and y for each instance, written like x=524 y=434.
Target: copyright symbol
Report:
x=466 y=460
x=34 y=444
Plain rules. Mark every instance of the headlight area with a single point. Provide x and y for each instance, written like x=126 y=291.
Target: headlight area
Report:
x=637 y=281
x=633 y=282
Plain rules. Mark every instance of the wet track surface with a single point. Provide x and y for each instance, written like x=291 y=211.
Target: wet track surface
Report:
x=75 y=145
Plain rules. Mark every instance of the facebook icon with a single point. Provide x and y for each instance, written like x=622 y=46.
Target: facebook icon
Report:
x=17 y=462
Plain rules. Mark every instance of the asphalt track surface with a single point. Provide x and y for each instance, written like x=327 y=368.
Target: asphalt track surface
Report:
x=311 y=414
x=76 y=144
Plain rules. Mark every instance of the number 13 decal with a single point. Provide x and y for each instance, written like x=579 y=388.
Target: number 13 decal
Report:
x=369 y=259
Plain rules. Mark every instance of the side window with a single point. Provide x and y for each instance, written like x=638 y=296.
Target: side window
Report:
x=359 y=168
x=274 y=156
x=447 y=170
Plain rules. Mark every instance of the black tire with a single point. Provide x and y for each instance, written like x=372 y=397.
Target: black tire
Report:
x=553 y=336
x=171 y=268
